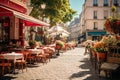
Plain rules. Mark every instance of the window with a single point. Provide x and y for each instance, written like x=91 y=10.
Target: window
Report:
x=105 y=2
x=116 y=2
x=105 y=14
x=95 y=15
x=95 y=25
x=4 y=29
x=95 y=3
x=0 y=31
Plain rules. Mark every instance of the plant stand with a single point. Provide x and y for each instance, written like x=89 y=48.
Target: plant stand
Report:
x=58 y=47
x=58 y=52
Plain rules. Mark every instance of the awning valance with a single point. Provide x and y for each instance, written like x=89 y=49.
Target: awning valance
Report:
x=97 y=33
x=29 y=20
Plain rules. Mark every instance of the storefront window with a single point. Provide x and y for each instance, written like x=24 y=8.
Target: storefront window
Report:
x=4 y=30
x=0 y=31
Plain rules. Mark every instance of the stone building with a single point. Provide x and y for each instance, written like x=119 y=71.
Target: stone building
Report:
x=95 y=14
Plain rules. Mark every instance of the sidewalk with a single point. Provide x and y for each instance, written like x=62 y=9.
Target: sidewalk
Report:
x=70 y=65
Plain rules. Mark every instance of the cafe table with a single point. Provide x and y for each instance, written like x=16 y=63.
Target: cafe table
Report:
x=36 y=51
x=13 y=56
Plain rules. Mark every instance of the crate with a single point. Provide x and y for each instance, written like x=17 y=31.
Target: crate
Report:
x=113 y=58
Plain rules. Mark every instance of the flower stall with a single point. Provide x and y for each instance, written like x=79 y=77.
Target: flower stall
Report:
x=112 y=25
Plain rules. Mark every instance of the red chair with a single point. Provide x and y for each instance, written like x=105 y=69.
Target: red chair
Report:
x=42 y=57
x=31 y=58
x=22 y=62
x=4 y=64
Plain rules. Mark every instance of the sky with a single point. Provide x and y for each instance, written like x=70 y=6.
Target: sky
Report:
x=76 y=5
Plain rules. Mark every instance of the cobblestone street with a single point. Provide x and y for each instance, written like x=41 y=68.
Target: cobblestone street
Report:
x=70 y=65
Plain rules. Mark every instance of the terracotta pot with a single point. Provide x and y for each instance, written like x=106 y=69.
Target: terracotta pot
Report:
x=101 y=56
x=58 y=47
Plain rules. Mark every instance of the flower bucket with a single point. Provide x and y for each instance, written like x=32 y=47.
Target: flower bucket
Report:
x=101 y=56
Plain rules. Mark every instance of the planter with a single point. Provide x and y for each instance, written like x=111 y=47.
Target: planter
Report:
x=101 y=56
x=58 y=47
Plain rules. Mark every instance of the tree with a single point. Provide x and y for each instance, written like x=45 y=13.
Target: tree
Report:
x=56 y=10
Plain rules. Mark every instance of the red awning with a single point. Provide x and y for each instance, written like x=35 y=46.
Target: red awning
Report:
x=28 y=23
x=28 y=20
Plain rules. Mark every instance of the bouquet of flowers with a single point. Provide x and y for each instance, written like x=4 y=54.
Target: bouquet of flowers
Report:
x=100 y=47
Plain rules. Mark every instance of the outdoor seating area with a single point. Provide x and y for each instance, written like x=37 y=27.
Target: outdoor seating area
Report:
x=17 y=57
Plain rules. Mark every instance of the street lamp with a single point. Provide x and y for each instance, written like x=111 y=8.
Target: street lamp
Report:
x=43 y=6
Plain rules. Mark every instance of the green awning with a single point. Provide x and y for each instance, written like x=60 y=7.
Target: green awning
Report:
x=97 y=33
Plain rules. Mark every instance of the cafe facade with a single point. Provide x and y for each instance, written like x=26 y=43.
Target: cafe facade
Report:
x=13 y=20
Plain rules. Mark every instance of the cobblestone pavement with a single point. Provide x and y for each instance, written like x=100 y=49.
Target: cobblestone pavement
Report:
x=70 y=65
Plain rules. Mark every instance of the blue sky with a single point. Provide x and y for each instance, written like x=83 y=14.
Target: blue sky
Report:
x=77 y=5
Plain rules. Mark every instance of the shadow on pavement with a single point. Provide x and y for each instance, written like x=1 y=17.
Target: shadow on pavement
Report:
x=7 y=78
x=87 y=72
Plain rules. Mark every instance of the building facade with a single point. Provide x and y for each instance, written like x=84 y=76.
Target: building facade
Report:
x=82 y=35
x=74 y=29
x=95 y=14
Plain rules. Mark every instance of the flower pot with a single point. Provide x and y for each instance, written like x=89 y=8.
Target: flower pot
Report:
x=101 y=56
x=58 y=47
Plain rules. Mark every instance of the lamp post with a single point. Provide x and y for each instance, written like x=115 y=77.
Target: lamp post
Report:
x=43 y=6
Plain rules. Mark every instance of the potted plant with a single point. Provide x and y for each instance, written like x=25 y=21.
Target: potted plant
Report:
x=32 y=43
x=59 y=44
x=101 y=49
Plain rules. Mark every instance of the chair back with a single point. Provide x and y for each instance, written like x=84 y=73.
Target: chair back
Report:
x=25 y=53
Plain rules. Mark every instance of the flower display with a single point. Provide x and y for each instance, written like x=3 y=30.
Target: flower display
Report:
x=109 y=40
x=112 y=24
x=100 y=47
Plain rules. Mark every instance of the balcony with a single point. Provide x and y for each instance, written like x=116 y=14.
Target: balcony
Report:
x=105 y=4
x=95 y=4
x=95 y=17
x=95 y=28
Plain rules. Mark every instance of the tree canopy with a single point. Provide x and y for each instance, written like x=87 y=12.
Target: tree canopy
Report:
x=56 y=10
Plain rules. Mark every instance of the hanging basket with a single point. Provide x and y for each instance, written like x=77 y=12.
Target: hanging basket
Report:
x=113 y=26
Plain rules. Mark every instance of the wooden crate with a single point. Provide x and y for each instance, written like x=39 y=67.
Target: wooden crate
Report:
x=113 y=60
